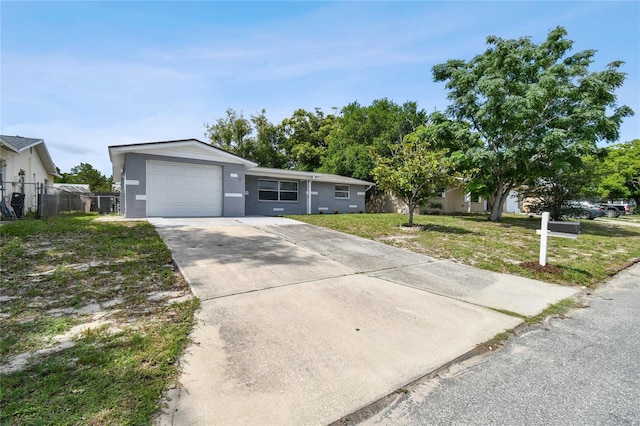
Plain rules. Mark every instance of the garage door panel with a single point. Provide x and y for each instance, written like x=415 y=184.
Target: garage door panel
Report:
x=177 y=189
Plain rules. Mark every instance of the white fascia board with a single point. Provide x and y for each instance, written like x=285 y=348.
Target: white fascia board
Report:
x=315 y=177
x=197 y=150
x=280 y=173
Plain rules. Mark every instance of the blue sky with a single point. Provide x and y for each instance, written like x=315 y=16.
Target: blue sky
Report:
x=86 y=75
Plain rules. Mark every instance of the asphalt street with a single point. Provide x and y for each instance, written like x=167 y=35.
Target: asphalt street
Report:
x=583 y=369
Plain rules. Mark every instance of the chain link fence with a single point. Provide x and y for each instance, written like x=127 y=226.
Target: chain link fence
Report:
x=23 y=199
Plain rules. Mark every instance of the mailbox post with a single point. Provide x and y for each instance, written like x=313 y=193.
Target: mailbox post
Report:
x=544 y=236
x=554 y=229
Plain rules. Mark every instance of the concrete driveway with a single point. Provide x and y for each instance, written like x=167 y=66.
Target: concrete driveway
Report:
x=303 y=325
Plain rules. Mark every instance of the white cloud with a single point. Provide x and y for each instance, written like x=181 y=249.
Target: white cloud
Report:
x=330 y=55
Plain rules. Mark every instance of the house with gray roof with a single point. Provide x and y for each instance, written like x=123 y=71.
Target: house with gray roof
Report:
x=25 y=163
x=190 y=178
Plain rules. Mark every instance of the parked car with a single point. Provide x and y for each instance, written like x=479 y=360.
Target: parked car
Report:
x=582 y=210
x=616 y=209
x=576 y=209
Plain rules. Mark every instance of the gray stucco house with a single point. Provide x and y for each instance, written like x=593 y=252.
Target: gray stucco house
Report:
x=190 y=178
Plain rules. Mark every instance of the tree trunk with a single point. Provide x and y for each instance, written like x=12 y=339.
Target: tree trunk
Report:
x=499 y=197
x=411 y=206
x=637 y=200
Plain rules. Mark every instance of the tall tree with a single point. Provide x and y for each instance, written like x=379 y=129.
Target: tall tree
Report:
x=268 y=146
x=306 y=134
x=359 y=130
x=530 y=103
x=231 y=133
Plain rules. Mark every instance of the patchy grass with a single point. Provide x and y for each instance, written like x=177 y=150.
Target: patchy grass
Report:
x=81 y=341
x=601 y=250
x=556 y=310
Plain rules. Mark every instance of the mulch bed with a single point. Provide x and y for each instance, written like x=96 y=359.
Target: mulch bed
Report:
x=535 y=266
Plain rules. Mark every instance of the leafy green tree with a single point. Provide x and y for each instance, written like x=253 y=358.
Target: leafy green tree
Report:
x=417 y=169
x=84 y=173
x=305 y=138
x=360 y=130
x=268 y=146
x=255 y=139
x=530 y=103
x=619 y=172
x=231 y=133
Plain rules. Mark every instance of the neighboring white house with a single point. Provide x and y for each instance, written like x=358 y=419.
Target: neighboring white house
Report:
x=25 y=163
x=455 y=199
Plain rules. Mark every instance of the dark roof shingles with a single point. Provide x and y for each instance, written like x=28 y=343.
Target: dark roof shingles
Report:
x=18 y=142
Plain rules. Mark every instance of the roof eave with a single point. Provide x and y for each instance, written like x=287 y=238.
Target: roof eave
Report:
x=312 y=176
x=117 y=153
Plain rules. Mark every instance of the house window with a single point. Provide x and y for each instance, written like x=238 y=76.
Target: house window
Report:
x=342 y=191
x=277 y=190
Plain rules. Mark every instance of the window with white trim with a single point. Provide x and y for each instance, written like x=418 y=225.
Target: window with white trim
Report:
x=277 y=190
x=342 y=191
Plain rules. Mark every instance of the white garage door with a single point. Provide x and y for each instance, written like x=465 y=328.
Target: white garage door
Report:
x=179 y=190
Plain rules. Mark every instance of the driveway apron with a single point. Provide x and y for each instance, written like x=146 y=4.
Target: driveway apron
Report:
x=303 y=325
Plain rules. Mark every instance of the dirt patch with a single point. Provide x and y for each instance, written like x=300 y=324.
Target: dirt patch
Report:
x=535 y=266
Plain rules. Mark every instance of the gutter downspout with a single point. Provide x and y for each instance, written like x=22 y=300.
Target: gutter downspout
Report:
x=309 y=196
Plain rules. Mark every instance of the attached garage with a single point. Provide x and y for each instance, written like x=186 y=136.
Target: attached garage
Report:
x=183 y=190
x=182 y=178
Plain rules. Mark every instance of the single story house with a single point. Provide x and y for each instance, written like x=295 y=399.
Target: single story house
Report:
x=190 y=178
x=454 y=199
x=25 y=164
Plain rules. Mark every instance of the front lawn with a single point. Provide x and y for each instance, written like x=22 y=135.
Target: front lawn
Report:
x=92 y=321
x=601 y=250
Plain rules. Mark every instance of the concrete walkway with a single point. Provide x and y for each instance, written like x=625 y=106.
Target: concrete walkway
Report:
x=303 y=325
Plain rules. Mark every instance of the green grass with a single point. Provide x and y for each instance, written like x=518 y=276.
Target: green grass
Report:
x=628 y=218
x=57 y=274
x=601 y=250
x=556 y=310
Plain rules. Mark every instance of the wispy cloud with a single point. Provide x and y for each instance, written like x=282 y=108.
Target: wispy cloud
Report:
x=184 y=64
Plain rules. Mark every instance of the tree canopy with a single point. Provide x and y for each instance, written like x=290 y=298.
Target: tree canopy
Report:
x=619 y=172
x=84 y=173
x=231 y=133
x=419 y=166
x=305 y=138
x=360 y=130
x=534 y=108
x=315 y=141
